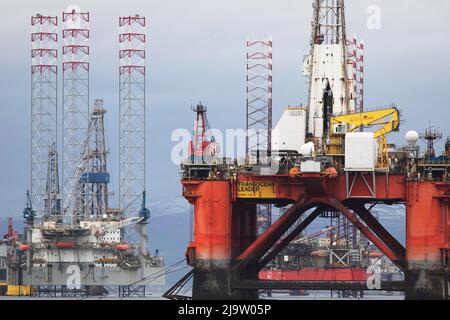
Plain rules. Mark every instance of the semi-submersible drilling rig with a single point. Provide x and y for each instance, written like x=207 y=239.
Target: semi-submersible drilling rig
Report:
x=73 y=239
x=319 y=162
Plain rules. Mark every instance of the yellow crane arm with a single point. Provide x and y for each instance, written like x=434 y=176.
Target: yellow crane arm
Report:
x=389 y=119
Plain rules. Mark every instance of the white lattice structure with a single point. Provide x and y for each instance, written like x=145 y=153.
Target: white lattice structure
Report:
x=259 y=96
x=355 y=52
x=91 y=200
x=75 y=96
x=52 y=198
x=44 y=74
x=132 y=71
x=259 y=113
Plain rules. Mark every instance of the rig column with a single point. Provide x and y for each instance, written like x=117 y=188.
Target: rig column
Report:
x=222 y=229
x=427 y=240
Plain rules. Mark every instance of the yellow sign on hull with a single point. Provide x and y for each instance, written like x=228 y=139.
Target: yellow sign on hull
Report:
x=256 y=190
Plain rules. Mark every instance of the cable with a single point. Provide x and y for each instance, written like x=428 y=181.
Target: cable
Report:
x=167 y=272
x=163 y=271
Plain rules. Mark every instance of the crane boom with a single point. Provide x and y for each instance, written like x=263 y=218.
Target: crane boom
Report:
x=388 y=118
x=123 y=223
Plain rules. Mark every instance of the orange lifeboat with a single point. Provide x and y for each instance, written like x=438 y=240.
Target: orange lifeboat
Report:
x=122 y=246
x=65 y=244
x=24 y=247
x=294 y=172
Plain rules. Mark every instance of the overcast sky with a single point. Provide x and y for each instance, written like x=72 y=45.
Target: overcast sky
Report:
x=197 y=52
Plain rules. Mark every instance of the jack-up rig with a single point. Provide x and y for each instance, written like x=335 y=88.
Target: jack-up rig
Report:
x=75 y=243
x=322 y=161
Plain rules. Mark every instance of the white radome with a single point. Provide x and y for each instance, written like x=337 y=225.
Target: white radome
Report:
x=412 y=137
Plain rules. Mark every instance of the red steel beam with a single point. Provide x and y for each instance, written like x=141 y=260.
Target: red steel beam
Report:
x=365 y=230
x=265 y=241
x=280 y=246
x=379 y=230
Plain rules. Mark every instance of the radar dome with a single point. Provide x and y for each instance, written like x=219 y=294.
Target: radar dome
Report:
x=411 y=137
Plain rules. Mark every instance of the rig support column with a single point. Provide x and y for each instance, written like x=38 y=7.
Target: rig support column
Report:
x=427 y=240
x=221 y=231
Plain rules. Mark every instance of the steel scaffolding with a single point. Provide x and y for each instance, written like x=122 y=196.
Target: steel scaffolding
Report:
x=132 y=56
x=329 y=22
x=91 y=201
x=259 y=113
x=259 y=97
x=75 y=97
x=355 y=52
x=44 y=74
x=52 y=198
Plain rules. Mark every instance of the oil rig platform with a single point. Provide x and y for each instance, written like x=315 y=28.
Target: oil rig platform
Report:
x=320 y=160
x=75 y=242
